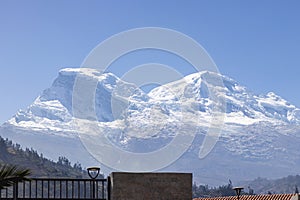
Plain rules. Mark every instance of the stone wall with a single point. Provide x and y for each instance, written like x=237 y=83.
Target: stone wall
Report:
x=151 y=186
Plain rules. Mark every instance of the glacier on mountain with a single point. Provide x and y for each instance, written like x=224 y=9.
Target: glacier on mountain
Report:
x=259 y=135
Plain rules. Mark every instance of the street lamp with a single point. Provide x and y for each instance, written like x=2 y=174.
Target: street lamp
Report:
x=238 y=191
x=93 y=173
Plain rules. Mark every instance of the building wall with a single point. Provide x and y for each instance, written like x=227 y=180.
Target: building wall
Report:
x=151 y=186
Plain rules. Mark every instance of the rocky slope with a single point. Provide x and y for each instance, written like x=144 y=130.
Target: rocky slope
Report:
x=255 y=135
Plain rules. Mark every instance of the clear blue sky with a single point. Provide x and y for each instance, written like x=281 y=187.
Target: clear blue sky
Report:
x=255 y=42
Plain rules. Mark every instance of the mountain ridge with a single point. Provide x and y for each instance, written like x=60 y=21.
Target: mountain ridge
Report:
x=258 y=130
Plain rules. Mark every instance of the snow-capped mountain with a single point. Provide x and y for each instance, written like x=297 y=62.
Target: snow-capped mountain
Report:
x=259 y=135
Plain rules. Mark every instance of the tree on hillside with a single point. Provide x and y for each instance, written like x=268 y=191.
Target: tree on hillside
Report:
x=10 y=174
x=63 y=161
x=205 y=191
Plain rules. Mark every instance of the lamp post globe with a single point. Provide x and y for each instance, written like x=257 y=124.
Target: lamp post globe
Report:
x=93 y=172
x=238 y=191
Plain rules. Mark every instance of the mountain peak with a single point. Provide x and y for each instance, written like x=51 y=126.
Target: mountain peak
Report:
x=256 y=127
x=194 y=89
x=88 y=72
x=76 y=71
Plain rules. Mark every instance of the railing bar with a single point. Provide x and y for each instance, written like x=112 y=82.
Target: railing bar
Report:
x=60 y=186
x=48 y=189
x=23 y=189
x=54 y=189
x=67 y=189
x=79 y=190
x=36 y=188
x=97 y=185
x=84 y=189
x=102 y=189
x=72 y=189
x=65 y=179
x=42 y=189
x=15 y=190
x=91 y=190
x=30 y=189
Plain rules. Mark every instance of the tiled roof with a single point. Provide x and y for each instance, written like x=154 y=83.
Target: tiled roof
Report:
x=254 y=197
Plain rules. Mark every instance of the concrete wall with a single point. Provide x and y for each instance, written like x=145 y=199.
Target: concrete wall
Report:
x=151 y=186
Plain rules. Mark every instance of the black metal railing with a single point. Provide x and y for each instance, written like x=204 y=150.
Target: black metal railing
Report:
x=53 y=188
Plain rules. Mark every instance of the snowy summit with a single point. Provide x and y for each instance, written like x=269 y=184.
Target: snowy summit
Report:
x=259 y=134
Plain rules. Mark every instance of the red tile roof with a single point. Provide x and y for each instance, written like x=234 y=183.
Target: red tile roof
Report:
x=254 y=197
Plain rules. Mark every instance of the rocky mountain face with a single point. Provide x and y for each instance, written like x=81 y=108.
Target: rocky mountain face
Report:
x=250 y=135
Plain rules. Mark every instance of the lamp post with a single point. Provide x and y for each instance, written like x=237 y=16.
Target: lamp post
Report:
x=238 y=191
x=93 y=174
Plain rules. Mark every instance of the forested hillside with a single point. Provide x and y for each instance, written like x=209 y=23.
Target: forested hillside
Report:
x=40 y=167
x=287 y=184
